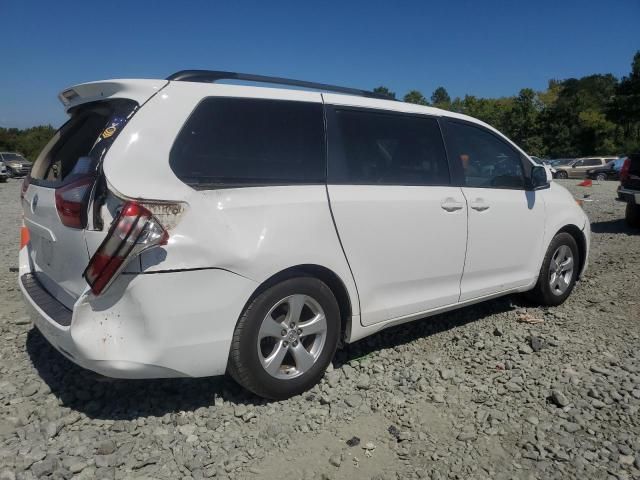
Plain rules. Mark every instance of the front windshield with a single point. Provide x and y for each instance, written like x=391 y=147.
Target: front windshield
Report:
x=13 y=157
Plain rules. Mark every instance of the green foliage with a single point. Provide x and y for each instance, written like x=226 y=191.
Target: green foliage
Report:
x=415 y=96
x=440 y=98
x=596 y=114
x=29 y=141
x=384 y=91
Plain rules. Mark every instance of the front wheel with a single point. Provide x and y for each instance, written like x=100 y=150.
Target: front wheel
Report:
x=562 y=175
x=632 y=215
x=601 y=177
x=285 y=338
x=558 y=273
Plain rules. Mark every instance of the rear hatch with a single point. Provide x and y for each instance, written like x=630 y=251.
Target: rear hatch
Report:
x=61 y=196
x=632 y=179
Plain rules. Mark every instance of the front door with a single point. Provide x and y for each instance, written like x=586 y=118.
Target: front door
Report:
x=506 y=222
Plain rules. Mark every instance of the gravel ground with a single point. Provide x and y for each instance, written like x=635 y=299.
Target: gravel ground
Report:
x=498 y=390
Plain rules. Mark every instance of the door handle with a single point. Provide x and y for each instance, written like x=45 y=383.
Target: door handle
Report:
x=479 y=205
x=451 y=205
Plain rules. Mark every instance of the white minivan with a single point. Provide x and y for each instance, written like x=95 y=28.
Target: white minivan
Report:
x=187 y=228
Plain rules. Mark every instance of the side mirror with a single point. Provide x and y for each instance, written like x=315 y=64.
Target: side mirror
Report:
x=539 y=179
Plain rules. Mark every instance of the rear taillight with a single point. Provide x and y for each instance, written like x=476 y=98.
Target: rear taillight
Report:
x=25 y=186
x=624 y=171
x=134 y=230
x=71 y=201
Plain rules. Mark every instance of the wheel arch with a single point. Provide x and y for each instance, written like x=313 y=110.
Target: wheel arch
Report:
x=326 y=275
x=581 y=241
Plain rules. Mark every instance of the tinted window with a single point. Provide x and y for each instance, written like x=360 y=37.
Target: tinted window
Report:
x=13 y=157
x=239 y=142
x=387 y=149
x=590 y=162
x=487 y=161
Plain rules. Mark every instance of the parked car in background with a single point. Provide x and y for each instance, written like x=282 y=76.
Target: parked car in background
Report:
x=558 y=162
x=611 y=171
x=184 y=228
x=3 y=172
x=578 y=168
x=629 y=189
x=17 y=165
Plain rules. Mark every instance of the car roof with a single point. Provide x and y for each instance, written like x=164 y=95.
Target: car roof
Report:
x=141 y=90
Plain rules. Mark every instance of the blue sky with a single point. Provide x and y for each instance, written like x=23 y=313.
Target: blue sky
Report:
x=485 y=48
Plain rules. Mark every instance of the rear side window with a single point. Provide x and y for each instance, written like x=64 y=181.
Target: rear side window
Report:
x=486 y=160
x=592 y=162
x=382 y=148
x=235 y=142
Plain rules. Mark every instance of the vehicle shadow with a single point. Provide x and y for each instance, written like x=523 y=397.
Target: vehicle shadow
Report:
x=433 y=325
x=116 y=399
x=613 y=226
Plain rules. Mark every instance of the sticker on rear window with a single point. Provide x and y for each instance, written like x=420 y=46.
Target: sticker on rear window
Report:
x=112 y=128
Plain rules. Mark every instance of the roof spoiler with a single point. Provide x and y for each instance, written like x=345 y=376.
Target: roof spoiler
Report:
x=138 y=90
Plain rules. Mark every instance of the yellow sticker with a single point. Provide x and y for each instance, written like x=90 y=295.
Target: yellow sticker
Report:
x=108 y=131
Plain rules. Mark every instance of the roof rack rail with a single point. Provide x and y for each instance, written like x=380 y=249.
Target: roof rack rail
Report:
x=207 y=76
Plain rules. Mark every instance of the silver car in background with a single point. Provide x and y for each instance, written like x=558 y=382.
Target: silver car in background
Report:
x=3 y=172
x=16 y=164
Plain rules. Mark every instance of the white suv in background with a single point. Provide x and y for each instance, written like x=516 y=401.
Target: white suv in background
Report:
x=183 y=227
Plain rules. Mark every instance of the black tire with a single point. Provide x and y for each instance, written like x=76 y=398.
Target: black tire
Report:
x=542 y=293
x=632 y=215
x=3 y=179
x=244 y=363
x=562 y=174
x=601 y=177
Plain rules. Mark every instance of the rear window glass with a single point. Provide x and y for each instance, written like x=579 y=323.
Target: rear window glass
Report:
x=80 y=144
x=229 y=142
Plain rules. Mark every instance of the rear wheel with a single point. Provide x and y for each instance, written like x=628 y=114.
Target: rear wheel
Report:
x=632 y=215
x=3 y=179
x=601 y=177
x=285 y=338
x=558 y=273
x=562 y=174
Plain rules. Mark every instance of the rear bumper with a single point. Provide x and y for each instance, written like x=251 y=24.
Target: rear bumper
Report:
x=629 y=196
x=172 y=324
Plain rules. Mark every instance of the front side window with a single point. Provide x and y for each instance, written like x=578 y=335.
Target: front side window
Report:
x=235 y=142
x=382 y=148
x=487 y=161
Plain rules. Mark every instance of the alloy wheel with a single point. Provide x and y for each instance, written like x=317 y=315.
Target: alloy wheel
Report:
x=292 y=336
x=561 y=270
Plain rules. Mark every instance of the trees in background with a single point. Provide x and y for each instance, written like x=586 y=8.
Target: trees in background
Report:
x=596 y=114
x=384 y=91
x=29 y=141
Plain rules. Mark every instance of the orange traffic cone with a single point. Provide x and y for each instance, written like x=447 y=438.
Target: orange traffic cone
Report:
x=586 y=183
